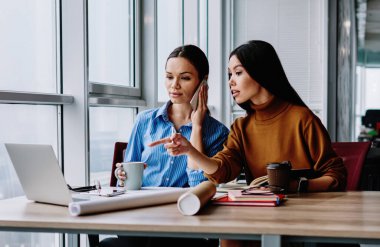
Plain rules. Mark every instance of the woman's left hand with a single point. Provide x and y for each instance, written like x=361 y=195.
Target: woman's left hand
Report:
x=199 y=114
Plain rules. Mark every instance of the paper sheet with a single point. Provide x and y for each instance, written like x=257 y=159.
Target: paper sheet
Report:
x=136 y=199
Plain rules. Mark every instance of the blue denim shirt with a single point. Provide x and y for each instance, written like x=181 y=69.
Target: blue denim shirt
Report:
x=164 y=170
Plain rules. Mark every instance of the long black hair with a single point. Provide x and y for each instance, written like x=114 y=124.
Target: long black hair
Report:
x=261 y=62
x=195 y=56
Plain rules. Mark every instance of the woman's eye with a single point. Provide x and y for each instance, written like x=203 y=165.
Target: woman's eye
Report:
x=186 y=78
x=229 y=75
x=238 y=73
x=169 y=77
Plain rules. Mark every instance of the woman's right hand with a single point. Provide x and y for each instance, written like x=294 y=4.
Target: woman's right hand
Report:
x=198 y=115
x=175 y=145
x=120 y=174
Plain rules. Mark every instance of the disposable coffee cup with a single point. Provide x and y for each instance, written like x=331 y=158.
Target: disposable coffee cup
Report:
x=279 y=176
x=134 y=174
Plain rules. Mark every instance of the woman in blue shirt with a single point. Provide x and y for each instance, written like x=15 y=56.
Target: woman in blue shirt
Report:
x=186 y=67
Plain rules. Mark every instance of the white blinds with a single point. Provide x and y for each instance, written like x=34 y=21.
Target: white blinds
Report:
x=298 y=31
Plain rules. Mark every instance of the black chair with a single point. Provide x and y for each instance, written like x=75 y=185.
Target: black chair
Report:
x=371 y=117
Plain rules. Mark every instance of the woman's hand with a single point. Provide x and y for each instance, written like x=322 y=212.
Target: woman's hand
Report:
x=120 y=174
x=199 y=114
x=175 y=145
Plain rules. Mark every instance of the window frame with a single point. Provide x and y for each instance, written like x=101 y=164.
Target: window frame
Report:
x=103 y=94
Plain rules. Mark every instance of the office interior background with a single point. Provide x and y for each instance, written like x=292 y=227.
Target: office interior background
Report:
x=74 y=73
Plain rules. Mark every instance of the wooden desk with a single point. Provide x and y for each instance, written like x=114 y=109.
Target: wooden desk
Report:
x=345 y=217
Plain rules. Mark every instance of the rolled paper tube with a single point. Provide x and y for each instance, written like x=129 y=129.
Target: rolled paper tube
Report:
x=148 y=198
x=192 y=201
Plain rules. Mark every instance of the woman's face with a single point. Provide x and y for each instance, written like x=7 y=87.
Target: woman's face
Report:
x=243 y=86
x=181 y=80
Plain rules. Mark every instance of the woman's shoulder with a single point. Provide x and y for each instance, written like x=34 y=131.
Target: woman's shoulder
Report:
x=302 y=113
x=148 y=114
x=243 y=119
x=214 y=122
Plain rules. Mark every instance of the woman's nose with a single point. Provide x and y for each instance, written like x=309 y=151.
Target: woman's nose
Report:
x=175 y=83
x=231 y=82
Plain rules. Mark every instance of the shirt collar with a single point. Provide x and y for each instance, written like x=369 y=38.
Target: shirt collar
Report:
x=163 y=112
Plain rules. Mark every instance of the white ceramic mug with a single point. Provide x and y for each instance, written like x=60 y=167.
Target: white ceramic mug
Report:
x=134 y=174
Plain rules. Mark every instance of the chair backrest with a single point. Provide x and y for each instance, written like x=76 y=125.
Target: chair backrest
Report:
x=353 y=155
x=118 y=156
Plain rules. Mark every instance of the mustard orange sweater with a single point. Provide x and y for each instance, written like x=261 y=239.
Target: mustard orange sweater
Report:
x=278 y=131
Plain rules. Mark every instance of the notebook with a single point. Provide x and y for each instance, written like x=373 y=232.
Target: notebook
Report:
x=40 y=174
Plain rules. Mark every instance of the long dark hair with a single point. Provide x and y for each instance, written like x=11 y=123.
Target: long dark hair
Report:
x=195 y=56
x=260 y=60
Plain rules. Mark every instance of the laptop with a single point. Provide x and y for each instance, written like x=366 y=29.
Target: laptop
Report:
x=40 y=174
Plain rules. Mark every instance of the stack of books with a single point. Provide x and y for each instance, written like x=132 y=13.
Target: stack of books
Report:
x=250 y=197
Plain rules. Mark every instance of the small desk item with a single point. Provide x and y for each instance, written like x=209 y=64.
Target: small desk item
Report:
x=107 y=192
x=251 y=196
x=227 y=201
x=255 y=195
x=192 y=201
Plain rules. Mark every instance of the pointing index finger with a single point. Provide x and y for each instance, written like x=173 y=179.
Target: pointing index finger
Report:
x=161 y=141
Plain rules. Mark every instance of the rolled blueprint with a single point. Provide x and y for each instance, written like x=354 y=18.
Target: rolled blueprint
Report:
x=133 y=200
x=192 y=201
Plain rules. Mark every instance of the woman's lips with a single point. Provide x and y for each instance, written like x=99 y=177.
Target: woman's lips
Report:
x=175 y=95
x=235 y=93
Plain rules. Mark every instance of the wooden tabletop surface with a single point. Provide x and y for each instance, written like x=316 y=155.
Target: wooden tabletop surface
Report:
x=332 y=214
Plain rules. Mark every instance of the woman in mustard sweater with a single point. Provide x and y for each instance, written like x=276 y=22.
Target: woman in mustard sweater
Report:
x=278 y=127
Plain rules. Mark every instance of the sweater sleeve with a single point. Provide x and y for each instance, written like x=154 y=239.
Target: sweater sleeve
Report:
x=326 y=161
x=230 y=158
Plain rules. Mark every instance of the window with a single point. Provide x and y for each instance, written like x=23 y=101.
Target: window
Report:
x=24 y=124
x=179 y=22
x=28 y=45
x=169 y=24
x=114 y=87
x=29 y=63
x=367 y=91
x=110 y=42
x=107 y=126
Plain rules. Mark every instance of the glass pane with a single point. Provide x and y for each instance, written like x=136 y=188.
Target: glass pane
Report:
x=107 y=126
x=24 y=124
x=169 y=24
x=372 y=88
x=110 y=41
x=28 y=44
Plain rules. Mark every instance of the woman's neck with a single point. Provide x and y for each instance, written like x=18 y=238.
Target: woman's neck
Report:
x=180 y=114
x=263 y=97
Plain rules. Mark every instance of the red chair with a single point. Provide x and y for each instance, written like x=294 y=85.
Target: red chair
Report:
x=118 y=156
x=353 y=155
